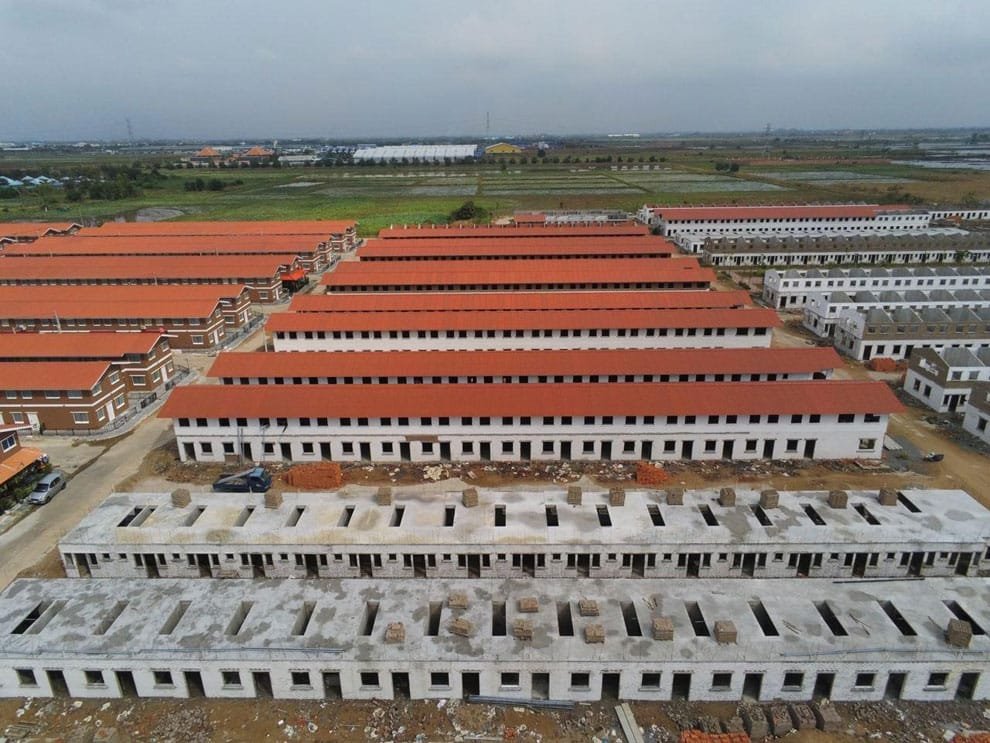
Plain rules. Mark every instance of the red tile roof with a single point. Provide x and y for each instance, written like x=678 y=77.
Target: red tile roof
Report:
x=515 y=363
x=319 y=228
x=387 y=400
x=532 y=272
x=513 y=231
x=94 y=345
x=257 y=151
x=51 y=375
x=23 y=230
x=207 y=152
x=522 y=300
x=531 y=218
x=226 y=245
x=524 y=320
x=145 y=267
x=487 y=247
x=113 y=302
x=45 y=293
x=773 y=212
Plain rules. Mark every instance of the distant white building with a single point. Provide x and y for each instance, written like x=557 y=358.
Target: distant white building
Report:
x=781 y=220
x=426 y=153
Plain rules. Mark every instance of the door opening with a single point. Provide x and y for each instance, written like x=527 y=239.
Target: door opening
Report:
x=681 y=687
x=470 y=683
x=331 y=685
x=610 y=686
x=895 y=685
x=56 y=680
x=541 y=686
x=262 y=684
x=752 y=686
x=400 y=685
x=194 y=684
x=823 y=686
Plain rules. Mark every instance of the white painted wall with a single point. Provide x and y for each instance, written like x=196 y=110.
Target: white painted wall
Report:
x=530 y=339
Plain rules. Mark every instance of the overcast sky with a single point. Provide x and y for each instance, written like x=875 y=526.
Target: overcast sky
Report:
x=77 y=69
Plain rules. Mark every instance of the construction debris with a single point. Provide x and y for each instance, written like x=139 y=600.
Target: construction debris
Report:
x=725 y=632
x=522 y=629
x=780 y=720
x=588 y=608
x=838 y=499
x=675 y=497
x=273 y=499
x=826 y=716
x=181 y=498
x=650 y=474
x=315 y=476
x=594 y=633
x=663 y=629
x=617 y=497
x=469 y=497
x=574 y=495
x=727 y=497
x=461 y=627
x=395 y=633
x=528 y=605
x=959 y=633
x=457 y=600
x=384 y=496
x=756 y=722
x=769 y=499
x=802 y=717
x=887 y=497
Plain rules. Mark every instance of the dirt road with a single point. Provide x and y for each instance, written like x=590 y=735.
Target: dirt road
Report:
x=31 y=538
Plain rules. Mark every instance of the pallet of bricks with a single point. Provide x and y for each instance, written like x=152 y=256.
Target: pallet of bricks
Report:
x=699 y=736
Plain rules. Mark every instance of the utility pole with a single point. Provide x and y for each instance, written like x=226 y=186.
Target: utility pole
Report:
x=130 y=132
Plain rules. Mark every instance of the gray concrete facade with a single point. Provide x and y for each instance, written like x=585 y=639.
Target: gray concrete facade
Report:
x=588 y=638
x=520 y=534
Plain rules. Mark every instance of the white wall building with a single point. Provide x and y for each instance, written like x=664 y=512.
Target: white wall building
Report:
x=976 y=413
x=943 y=380
x=791 y=288
x=520 y=330
x=781 y=220
x=429 y=153
x=823 y=419
x=894 y=335
x=822 y=310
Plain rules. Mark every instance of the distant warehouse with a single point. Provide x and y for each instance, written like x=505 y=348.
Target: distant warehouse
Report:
x=422 y=153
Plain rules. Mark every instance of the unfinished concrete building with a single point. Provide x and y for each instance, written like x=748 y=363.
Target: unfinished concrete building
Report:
x=877 y=333
x=791 y=289
x=520 y=534
x=790 y=639
x=822 y=311
x=930 y=246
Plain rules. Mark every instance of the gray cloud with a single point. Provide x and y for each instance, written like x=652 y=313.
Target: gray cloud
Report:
x=216 y=68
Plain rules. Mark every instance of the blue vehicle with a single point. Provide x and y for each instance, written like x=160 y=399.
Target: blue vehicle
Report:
x=254 y=480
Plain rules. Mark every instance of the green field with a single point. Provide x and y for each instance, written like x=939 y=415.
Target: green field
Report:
x=378 y=196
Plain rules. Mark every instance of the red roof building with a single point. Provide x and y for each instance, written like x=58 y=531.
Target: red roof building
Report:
x=542 y=274
x=513 y=231
x=595 y=365
x=534 y=301
x=525 y=248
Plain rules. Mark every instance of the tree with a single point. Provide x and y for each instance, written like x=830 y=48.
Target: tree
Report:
x=469 y=211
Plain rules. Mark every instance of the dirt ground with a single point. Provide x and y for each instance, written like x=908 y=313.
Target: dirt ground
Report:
x=203 y=721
